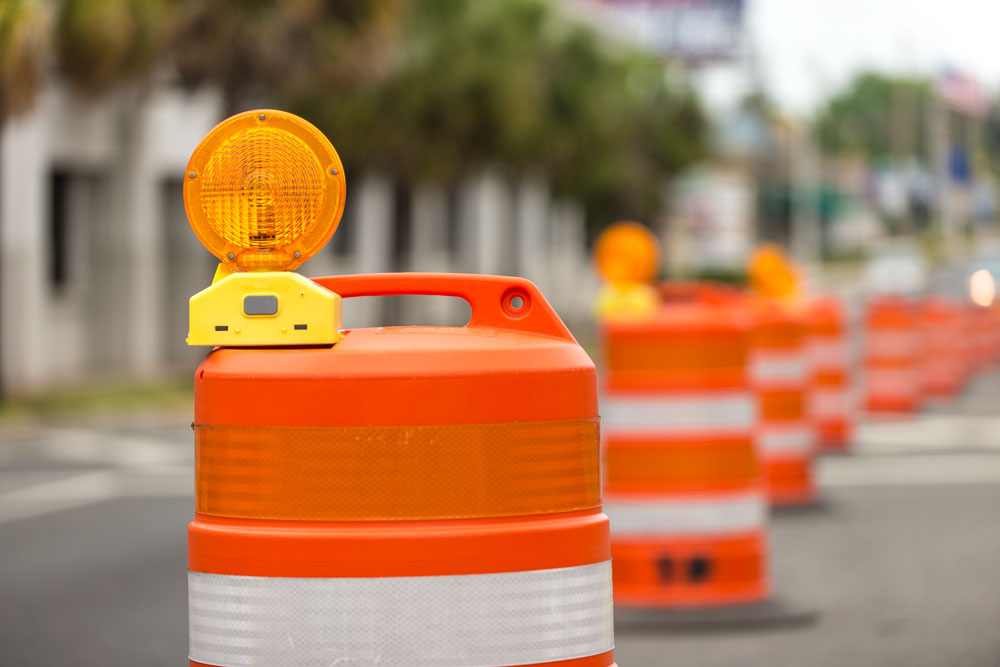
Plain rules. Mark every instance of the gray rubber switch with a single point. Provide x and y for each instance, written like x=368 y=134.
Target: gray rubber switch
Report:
x=260 y=304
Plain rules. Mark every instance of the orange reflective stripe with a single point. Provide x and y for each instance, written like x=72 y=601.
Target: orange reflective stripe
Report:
x=657 y=465
x=707 y=352
x=366 y=473
x=782 y=404
x=663 y=362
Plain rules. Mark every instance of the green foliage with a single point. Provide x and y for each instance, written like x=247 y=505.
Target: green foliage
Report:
x=510 y=83
x=877 y=116
x=101 y=43
x=23 y=26
x=426 y=90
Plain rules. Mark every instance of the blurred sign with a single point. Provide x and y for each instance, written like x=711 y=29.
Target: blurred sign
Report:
x=691 y=30
x=712 y=220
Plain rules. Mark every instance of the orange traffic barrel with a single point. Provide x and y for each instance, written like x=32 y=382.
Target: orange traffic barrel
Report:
x=992 y=317
x=942 y=366
x=830 y=366
x=407 y=497
x=966 y=341
x=780 y=373
x=683 y=484
x=985 y=340
x=891 y=356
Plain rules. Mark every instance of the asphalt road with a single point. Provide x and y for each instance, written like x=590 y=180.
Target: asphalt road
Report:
x=901 y=563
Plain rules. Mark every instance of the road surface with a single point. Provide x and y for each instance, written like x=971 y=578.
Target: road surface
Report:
x=901 y=563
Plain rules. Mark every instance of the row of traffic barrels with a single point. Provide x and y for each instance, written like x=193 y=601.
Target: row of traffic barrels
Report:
x=924 y=348
x=715 y=405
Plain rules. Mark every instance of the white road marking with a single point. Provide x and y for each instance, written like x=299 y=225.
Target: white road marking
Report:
x=92 y=487
x=131 y=466
x=88 y=446
x=910 y=470
x=929 y=432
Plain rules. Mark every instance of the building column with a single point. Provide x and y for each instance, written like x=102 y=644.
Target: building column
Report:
x=428 y=251
x=532 y=224
x=573 y=284
x=484 y=232
x=140 y=241
x=373 y=243
x=23 y=282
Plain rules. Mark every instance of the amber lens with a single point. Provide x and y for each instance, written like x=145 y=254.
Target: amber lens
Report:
x=264 y=190
x=627 y=252
x=771 y=273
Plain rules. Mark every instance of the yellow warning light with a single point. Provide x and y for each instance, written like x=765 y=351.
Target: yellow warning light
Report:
x=624 y=302
x=772 y=274
x=627 y=252
x=982 y=288
x=264 y=191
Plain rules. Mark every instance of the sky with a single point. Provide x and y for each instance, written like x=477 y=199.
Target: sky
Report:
x=805 y=48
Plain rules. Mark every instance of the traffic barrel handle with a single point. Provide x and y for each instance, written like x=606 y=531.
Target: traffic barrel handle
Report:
x=497 y=302
x=684 y=291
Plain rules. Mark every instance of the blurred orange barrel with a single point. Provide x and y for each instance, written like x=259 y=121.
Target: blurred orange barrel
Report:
x=411 y=496
x=892 y=356
x=985 y=338
x=993 y=326
x=967 y=341
x=786 y=433
x=830 y=399
x=942 y=366
x=683 y=482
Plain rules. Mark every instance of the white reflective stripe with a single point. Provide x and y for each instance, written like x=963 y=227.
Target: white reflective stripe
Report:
x=894 y=381
x=899 y=344
x=779 y=366
x=829 y=403
x=689 y=515
x=943 y=365
x=644 y=413
x=828 y=352
x=791 y=438
x=473 y=620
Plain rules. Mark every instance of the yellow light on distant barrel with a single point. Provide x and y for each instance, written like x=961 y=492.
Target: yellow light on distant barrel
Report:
x=627 y=252
x=264 y=191
x=772 y=274
x=982 y=288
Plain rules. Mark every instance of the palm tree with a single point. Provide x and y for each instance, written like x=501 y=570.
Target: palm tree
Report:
x=424 y=89
x=258 y=51
x=102 y=44
x=23 y=32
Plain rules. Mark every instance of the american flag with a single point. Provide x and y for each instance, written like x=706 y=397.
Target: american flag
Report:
x=962 y=93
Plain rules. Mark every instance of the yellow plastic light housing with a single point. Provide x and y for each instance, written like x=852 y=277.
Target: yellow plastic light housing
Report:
x=264 y=191
x=627 y=252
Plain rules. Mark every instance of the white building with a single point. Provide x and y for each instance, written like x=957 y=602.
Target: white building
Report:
x=97 y=260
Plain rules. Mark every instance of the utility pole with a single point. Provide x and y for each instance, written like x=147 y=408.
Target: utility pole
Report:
x=937 y=139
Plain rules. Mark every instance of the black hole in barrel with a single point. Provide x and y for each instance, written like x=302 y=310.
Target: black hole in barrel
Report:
x=699 y=569
x=665 y=569
x=517 y=303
